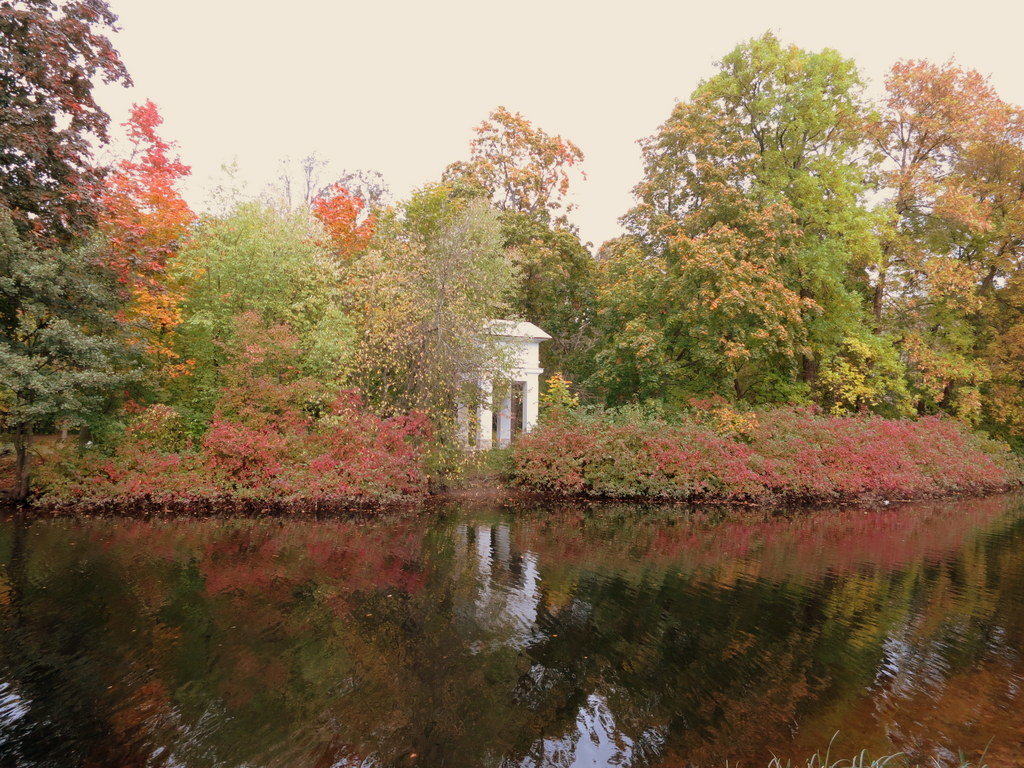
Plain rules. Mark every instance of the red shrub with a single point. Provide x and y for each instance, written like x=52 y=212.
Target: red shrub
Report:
x=273 y=435
x=347 y=455
x=786 y=454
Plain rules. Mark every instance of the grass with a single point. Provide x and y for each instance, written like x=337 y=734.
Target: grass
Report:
x=863 y=760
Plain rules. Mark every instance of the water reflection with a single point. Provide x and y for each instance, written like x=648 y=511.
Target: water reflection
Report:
x=610 y=635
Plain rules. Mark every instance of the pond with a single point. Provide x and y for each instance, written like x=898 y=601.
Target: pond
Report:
x=479 y=635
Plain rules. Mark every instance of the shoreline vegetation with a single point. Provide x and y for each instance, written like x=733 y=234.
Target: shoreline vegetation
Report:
x=864 y=760
x=814 y=307
x=362 y=465
x=770 y=457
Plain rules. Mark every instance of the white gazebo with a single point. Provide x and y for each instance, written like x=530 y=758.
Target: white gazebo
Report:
x=518 y=385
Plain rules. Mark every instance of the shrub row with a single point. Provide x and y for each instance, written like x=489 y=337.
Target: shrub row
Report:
x=785 y=454
x=346 y=455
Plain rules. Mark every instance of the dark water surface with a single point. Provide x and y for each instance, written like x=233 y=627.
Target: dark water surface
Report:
x=568 y=636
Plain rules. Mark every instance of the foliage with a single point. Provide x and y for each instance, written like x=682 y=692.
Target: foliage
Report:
x=63 y=353
x=523 y=168
x=864 y=374
x=555 y=288
x=51 y=54
x=420 y=301
x=263 y=261
x=952 y=236
x=275 y=434
x=145 y=221
x=783 y=455
x=349 y=227
x=748 y=229
x=793 y=242
x=558 y=395
x=526 y=174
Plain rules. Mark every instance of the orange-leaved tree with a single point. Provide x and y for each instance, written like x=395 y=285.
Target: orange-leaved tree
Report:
x=146 y=221
x=348 y=222
x=524 y=168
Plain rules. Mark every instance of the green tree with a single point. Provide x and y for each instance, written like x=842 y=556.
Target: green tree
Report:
x=555 y=288
x=753 y=204
x=632 y=359
x=62 y=350
x=267 y=262
x=421 y=298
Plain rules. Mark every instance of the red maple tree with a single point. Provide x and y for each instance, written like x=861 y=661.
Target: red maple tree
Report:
x=146 y=221
x=348 y=224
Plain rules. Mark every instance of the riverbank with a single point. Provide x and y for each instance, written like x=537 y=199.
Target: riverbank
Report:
x=780 y=456
x=790 y=457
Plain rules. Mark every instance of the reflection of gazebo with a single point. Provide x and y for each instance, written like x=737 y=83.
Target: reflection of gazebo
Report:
x=519 y=387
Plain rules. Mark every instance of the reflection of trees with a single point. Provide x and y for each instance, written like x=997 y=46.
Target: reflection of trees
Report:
x=59 y=709
x=957 y=662
x=485 y=641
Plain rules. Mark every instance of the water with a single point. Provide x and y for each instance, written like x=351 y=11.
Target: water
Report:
x=556 y=636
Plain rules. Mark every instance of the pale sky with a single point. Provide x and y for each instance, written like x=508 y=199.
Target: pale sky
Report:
x=396 y=86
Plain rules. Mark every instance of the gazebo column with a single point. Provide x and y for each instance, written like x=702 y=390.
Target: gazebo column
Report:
x=505 y=420
x=531 y=402
x=462 y=425
x=484 y=416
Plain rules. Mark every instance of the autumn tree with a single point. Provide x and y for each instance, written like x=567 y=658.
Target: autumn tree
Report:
x=347 y=222
x=804 y=113
x=1004 y=354
x=146 y=220
x=51 y=54
x=345 y=207
x=952 y=234
x=753 y=202
x=527 y=173
x=522 y=167
x=930 y=115
x=421 y=298
x=705 y=298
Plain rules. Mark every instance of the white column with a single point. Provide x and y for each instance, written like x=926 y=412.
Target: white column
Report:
x=462 y=425
x=502 y=538
x=531 y=402
x=484 y=417
x=505 y=419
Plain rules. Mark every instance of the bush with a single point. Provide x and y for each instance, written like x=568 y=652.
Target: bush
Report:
x=348 y=455
x=275 y=434
x=787 y=454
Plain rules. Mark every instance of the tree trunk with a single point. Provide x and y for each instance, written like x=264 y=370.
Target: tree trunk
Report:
x=876 y=300
x=22 y=450
x=808 y=368
x=808 y=365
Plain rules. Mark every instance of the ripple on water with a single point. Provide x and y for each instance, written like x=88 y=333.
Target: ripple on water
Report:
x=610 y=635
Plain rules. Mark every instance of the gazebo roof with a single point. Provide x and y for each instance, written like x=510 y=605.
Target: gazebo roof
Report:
x=519 y=329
